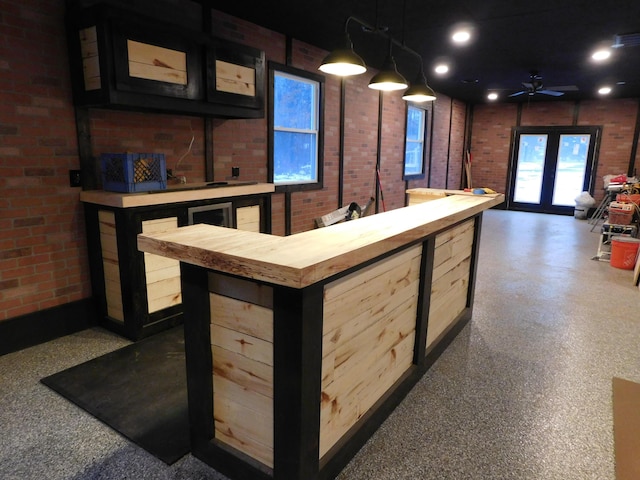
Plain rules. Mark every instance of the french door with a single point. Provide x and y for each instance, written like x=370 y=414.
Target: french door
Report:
x=550 y=167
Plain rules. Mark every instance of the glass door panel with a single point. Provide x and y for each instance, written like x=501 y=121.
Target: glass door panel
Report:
x=530 y=168
x=550 y=167
x=571 y=167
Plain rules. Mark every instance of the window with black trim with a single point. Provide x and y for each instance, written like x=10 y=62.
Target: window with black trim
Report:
x=414 y=143
x=296 y=117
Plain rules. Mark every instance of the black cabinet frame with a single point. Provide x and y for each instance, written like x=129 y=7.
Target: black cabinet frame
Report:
x=119 y=90
x=138 y=322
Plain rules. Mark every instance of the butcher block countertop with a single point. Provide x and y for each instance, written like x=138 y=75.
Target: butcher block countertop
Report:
x=305 y=258
x=176 y=193
x=439 y=192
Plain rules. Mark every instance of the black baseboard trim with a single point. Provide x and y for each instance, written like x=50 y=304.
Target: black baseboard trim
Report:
x=44 y=325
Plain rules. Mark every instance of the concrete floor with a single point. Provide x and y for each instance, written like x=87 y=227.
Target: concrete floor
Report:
x=524 y=392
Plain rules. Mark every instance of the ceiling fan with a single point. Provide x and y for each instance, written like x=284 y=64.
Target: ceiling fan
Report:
x=535 y=86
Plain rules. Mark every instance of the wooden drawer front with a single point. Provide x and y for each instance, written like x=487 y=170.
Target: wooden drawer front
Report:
x=162 y=274
x=236 y=79
x=152 y=62
x=90 y=58
x=111 y=264
x=248 y=218
x=450 y=281
x=242 y=353
x=368 y=339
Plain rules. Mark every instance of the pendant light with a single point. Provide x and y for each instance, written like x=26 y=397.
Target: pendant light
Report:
x=343 y=61
x=346 y=62
x=419 y=91
x=388 y=79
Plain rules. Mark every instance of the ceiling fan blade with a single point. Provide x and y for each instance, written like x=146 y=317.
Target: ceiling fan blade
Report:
x=528 y=85
x=553 y=93
x=518 y=93
x=564 y=88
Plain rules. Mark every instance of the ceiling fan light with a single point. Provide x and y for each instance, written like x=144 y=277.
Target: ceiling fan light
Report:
x=343 y=62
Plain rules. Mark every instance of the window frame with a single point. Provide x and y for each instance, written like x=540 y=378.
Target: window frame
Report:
x=423 y=141
x=313 y=77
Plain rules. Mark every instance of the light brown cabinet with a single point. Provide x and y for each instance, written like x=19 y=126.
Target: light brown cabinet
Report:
x=139 y=294
x=121 y=59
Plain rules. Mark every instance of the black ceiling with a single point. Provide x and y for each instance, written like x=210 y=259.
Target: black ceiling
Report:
x=511 y=38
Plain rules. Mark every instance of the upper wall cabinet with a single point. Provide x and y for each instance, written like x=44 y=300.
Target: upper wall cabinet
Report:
x=235 y=75
x=122 y=60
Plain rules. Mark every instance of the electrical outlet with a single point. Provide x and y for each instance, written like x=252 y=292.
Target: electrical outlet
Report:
x=235 y=172
x=75 y=178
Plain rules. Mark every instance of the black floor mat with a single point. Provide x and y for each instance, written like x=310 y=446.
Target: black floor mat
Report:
x=139 y=390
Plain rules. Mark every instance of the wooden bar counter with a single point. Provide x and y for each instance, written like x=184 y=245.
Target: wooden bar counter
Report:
x=299 y=347
x=139 y=294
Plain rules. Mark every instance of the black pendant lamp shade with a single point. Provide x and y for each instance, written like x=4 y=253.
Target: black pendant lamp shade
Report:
x=388 y=79
x=343 y=61
x=419 y=91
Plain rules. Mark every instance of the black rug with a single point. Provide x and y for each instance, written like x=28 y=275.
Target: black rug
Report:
x=139 y=390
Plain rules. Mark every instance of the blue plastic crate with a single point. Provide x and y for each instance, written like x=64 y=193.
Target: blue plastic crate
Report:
x=133 y=172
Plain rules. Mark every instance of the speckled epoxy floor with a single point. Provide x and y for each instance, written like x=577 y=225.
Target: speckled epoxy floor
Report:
x=524 y=392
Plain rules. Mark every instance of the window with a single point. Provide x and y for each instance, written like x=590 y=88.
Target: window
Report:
x=296 y=136
x=414 y=144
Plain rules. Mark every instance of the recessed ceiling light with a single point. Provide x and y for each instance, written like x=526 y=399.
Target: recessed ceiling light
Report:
x=604 y=90
x=441 y=69
x=492 y=96
x=461 y=36
x=600 y=55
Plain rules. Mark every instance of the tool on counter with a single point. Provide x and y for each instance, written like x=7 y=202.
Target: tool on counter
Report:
x=350 y=212
x=480 y=191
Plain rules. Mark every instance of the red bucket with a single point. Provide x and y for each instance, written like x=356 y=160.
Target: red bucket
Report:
x=624 y=251
x=630 y=198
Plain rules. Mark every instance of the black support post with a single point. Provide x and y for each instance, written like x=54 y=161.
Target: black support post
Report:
x=297 y=347
x=424 y=300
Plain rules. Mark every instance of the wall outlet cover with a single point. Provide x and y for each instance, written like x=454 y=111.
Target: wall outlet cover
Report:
x=75 y=178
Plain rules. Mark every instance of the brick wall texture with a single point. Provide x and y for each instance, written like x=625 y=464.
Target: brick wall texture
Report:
x=492 y=135
x=43 y=258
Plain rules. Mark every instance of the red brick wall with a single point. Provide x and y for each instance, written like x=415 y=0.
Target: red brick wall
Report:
x=490 y=141
x=617 y=118
x=43 y=260
x=457 y=146
x=547 y=113
x=492 y=124
x=115 y=132
x=361 y=140
x=441 y=139
x=394 y=111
